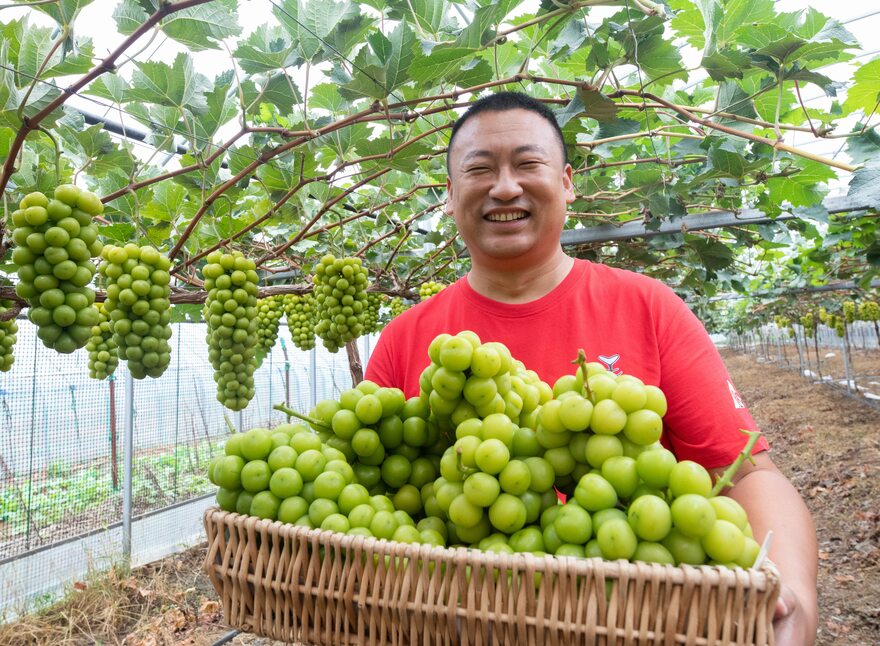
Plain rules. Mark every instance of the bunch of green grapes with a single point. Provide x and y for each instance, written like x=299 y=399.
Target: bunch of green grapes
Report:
x=808 y=323
x=397 y=306
x=138 y=289
x=849 y=311
x=300 y=313
x=269 y=313
x=388 y=440
x=231 y=313
x=55 y=242
x=429 y=288
x=869 y=311
x=341 y=296
x=103 y=357
x=8 y=330
x=373 y=311
x=288 y=474
x=823 y=316
x=467 y=378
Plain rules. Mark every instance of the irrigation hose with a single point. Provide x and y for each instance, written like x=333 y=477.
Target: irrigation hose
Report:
x=228 y=637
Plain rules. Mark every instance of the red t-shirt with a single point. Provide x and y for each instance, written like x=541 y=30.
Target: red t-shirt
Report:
x=631 y=323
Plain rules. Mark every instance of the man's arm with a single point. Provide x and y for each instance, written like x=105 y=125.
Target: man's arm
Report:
x=772 y=503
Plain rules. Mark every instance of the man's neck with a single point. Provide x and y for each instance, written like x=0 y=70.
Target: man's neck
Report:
x=520 y=285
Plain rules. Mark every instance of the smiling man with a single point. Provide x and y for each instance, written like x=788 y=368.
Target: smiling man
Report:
x=509 y=184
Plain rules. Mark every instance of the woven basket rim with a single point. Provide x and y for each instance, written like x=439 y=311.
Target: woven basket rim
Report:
x=761 y=579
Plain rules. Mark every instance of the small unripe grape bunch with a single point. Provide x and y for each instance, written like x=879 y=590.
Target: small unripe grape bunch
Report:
x=269 y=313
x=103 y=357
x=8 y=330
x=300 y=313
x=807 y=322
x=869 y=311
x=849 y=311
x=341 y=296
x=55 y=242
x=371 y=316
x=397 y=306
x=429 y=288
x=231 y=313
x=138 y=289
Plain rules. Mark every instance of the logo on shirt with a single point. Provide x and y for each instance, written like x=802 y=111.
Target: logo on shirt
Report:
x=609 y=362
x=737 y=400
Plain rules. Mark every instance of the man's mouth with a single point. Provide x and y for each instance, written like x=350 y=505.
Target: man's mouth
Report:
x=507 y=216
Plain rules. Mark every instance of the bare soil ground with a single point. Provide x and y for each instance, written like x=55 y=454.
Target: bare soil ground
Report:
x=827 y=442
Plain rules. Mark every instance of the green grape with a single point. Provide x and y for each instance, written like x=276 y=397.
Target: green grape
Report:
x=300 y=313
x=103 y=356
x=55 y=243
x=428 y=289
x=269 y=313
x=137 y=281
x=8 y=330
x=341 y=297
x=231 y=313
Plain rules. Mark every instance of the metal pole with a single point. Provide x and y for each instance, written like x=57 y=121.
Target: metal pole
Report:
x=127 y=451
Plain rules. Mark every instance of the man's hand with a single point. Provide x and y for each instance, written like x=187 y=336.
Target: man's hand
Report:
x=790 y=623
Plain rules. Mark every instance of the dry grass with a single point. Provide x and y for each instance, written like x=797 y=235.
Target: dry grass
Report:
x=160 y=603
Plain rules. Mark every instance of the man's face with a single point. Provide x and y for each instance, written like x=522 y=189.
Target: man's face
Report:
x=508 y=188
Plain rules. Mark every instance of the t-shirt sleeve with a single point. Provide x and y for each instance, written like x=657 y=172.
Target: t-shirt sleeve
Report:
x=380 y=368
x=705 y=412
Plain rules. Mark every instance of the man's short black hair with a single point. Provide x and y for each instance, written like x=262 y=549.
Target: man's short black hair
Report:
x=501 y=102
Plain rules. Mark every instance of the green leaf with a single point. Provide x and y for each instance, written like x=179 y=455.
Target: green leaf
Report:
x=405 y=160
x=728 y=63
x=129 y=15
x=204 y=26
x=280 y=91
x=265 y=50
x=688 y=22
x=178 y=85
x=726 y=163
x=713 y=254
x=64 y=11
x=742 y=16
x=167 y=202
x=426 y=15
x=479 y=30
x=35 y=45
x=118 y=232
x=597 y=105
x=442 y=61
x=864 y=187
x=802 y=188
x=865 y=91
x=861 y=148
x=665 y=204
x=660 y=60
x=402 y=51
x=109 y=86
x=732 y=99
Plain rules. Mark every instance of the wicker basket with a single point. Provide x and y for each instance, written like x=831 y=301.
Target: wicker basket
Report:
x=308 y=586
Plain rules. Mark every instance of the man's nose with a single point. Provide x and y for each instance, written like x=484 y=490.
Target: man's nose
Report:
x=506 y=186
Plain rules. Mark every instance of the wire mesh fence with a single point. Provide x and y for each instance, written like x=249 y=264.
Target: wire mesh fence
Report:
x=61 y=453
x=850 y=362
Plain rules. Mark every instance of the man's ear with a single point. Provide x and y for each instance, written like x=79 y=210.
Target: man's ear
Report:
x=568 y=184
x=448 y=207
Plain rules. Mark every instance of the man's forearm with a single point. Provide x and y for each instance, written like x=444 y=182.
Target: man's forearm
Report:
x=772 y=503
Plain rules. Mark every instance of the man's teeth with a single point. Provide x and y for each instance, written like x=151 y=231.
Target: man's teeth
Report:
x=506 y=217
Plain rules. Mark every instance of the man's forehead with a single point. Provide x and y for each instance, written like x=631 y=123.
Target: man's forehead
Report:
x=518 y=150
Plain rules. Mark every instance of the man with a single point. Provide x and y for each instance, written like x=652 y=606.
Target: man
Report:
x=508 y=188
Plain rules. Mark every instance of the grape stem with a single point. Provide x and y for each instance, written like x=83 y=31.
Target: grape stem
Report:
x=292 y=413
x=581 y=361
x=229 y=424
x=726 y=479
